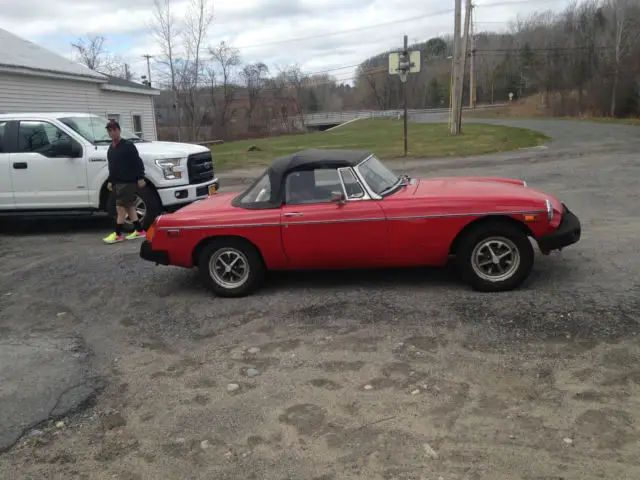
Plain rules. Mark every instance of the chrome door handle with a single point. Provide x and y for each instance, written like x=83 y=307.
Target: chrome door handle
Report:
x=293 y=214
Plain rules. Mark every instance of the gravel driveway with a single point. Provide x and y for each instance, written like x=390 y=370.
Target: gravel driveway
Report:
x=383 y=375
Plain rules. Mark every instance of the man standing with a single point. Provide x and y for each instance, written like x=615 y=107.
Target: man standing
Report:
x=126 y=175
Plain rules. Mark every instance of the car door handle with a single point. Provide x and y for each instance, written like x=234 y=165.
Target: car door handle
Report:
x=293 y=214
x=20 y=165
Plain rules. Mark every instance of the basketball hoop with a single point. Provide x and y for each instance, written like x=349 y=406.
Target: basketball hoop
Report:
x=403 y=75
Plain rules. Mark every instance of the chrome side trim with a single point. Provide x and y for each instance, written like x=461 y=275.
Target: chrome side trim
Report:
x=235 y=225
x=356 y=220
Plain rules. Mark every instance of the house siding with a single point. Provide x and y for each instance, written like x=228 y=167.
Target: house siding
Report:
x=25 y=94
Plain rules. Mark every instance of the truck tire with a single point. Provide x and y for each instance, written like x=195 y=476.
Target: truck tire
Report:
x=149 y=204
x=494 y=257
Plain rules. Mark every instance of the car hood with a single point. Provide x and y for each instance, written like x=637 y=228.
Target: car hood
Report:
x=486 y=193
x=216 y=206
x=156 y=150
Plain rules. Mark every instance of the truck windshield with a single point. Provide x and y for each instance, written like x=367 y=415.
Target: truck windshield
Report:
x=93 y=129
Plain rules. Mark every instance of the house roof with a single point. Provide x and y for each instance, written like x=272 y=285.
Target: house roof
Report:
x=20 y=54
x=121 y=82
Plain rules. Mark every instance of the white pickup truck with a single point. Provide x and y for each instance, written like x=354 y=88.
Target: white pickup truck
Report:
x=56 y=163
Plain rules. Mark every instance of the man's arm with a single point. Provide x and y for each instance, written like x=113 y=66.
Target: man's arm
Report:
x=137 y=161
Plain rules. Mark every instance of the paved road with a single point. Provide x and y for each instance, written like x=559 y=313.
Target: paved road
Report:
x=401 y=374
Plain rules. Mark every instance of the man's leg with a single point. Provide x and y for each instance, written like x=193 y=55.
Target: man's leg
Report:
x=121 y=215
x=138 y=231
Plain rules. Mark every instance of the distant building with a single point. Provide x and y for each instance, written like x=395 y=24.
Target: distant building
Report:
x=34 y=79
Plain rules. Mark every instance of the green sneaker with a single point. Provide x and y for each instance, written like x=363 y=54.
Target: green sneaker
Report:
x=113 y=238
x=134 y=235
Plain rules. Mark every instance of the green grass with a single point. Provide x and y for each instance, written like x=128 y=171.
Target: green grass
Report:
x=385 y=139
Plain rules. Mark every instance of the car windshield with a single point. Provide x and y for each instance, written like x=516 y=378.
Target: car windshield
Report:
x=379 y=178
x=93 y=129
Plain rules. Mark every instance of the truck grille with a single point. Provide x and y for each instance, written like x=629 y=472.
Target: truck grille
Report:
x=200 y=167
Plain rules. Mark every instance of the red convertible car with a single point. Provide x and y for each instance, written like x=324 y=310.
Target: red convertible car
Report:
x=339 y=209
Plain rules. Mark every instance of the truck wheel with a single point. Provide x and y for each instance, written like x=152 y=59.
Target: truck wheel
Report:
x=495 y=257
x=231 y=267
x=148 y=207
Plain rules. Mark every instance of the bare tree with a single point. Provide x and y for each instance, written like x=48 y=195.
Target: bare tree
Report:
x=624 y=30
x=197 y=23
x=227 y=59
x=165 y=31
x=91 y=51
x=254 y=77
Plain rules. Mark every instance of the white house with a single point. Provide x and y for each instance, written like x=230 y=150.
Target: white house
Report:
x=34 y=79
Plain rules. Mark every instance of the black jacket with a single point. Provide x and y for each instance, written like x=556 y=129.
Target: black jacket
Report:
x=125 y=164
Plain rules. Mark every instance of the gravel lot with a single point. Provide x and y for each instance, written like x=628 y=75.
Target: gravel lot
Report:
x=383 y=375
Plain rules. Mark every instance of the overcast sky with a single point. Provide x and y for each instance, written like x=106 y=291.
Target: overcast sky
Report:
x=318 y=34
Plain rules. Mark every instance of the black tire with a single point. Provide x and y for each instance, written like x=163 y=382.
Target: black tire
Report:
x=151 y=201
x=246 y=253
x=502 y=237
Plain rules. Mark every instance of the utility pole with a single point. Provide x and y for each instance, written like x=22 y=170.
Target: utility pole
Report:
x=462 y=68
x=453 y=124
x=405 y=55
x=148 y=57
x=472 y=67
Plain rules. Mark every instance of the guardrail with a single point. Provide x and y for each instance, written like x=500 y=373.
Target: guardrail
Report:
x=329 y=117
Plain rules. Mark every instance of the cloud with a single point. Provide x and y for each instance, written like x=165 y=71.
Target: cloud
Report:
x=261 y=29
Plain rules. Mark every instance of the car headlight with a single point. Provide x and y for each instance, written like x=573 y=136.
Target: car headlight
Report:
x=168 y=167
x=549 y=209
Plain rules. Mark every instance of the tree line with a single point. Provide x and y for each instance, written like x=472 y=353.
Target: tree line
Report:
x=584 y=60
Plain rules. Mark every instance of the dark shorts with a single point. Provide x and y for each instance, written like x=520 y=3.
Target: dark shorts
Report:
x=125 y=194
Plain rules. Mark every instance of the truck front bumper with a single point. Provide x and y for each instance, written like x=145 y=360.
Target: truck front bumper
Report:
x=184 y=194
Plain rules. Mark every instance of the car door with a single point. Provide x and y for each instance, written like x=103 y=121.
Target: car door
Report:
x=6 y=186
x=319 y=232
x=44 y=173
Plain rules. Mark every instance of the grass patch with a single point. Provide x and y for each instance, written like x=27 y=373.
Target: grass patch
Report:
x=506 y=113
x=385 y=139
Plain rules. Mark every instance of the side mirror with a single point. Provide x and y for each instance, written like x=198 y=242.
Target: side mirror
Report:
x=337 y=197
x=67 y=148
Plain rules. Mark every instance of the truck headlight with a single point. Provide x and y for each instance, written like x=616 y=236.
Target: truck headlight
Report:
x=549 y=209
x=168 y=167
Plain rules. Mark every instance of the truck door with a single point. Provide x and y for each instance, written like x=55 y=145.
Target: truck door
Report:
x=48 y=170
x=6 y=187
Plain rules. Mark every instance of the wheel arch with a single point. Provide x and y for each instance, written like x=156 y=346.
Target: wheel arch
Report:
x=205 y=242
x=105 y=193
x=488 y=219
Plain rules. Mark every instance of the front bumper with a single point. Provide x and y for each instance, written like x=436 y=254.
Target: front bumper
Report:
x=158 y=257
x=567 y=233
x=185 y=194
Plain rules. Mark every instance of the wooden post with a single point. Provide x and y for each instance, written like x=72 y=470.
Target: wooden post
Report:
x=453 y=124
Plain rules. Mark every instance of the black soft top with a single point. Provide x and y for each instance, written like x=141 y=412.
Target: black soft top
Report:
x=303 y=160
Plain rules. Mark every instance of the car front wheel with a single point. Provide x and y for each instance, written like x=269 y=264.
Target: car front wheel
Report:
x=495 y=257
x=231 y=267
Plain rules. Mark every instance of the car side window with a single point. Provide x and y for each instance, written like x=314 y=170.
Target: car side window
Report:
x=351 y=184
x=261 y=191
x=40 y=137
x=312 y=186
x=3 y=129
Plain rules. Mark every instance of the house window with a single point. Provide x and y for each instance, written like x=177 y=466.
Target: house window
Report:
x=137 y=125
x=113 y=116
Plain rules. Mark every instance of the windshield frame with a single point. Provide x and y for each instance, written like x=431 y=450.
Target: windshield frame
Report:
x=88 y=126
x=392 y=188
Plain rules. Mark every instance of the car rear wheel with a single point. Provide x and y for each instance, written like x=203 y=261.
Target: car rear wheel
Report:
x=495 y=257
x=231 y=267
